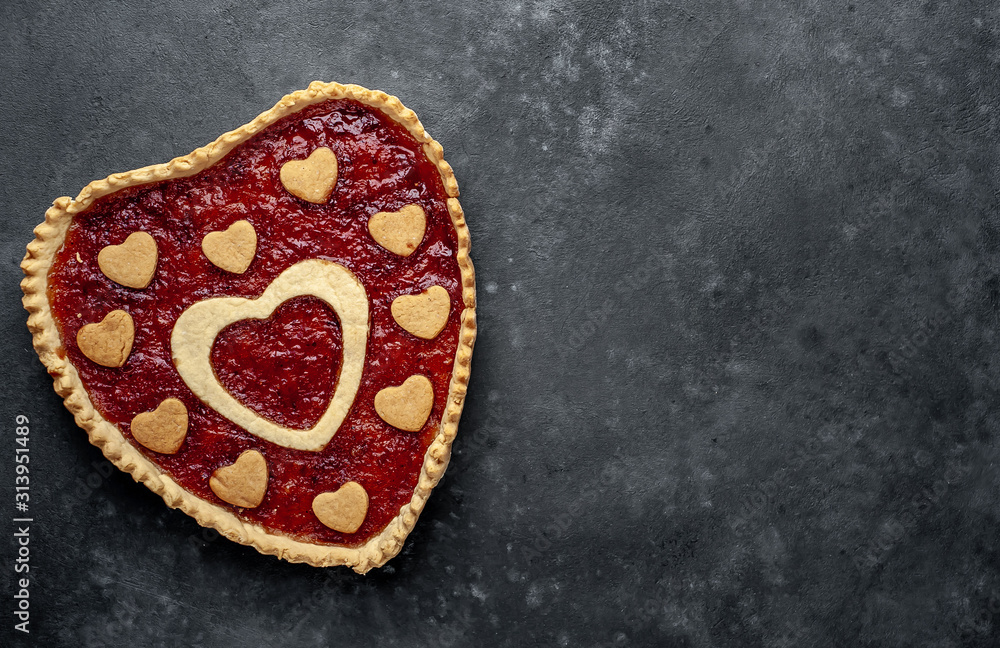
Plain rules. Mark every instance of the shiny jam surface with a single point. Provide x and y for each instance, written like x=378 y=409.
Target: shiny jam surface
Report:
x=285 y=367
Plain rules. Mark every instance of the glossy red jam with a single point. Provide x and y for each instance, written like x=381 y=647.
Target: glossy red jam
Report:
x=302 y=343
x=285 y=367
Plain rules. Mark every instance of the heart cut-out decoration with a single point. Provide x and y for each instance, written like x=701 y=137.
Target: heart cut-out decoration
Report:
x=407 y=406
x=401 y=231
x=313 y=178
x=131 y=264
x=195 y=331
x=163 y=430
x=344 y=509
x=242 y=483
x=232 y=249
x=108 y=342
x=424 y=314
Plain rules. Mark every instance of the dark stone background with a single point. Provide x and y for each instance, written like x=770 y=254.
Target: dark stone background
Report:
x=737 y=378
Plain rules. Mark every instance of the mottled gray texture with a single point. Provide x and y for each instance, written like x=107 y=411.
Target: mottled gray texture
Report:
x=736 y=383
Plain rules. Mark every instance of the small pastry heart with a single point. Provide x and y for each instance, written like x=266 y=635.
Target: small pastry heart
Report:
x=162 y=430
x=424 y=314
x=233 y=248
x=400 y=231
x=109 y=341
x=344 y=509
x=407 y=406
x=242 y=483
x=313 y=178
x=131 y=264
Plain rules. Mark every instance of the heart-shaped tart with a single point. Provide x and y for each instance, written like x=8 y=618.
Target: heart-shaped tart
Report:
x=275 y=332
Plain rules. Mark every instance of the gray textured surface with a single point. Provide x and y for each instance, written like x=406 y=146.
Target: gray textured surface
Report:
x=737 y=377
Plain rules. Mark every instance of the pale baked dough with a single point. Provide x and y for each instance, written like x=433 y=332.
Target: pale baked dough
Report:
x=242 y=483
x=406 y=406
x=401 y=231
x=313 y=178
x=164 y=429
x=49 y=237
x=233 y=248
x=344 y=509
x=131 y=264
x=424 y=314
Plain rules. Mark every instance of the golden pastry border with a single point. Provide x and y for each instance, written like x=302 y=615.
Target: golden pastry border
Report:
x=49 y=237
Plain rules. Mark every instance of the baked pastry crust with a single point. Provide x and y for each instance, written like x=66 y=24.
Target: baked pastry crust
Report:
x=49 y=238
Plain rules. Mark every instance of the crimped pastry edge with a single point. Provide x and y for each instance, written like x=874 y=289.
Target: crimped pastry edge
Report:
x=49 y=237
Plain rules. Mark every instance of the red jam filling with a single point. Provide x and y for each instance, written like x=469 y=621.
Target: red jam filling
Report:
x=285 y=367
x=301 y=342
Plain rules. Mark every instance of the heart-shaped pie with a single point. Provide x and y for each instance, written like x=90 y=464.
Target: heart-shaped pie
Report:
x=320 y=250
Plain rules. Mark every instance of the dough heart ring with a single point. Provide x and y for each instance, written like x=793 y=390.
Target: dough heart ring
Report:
x=274 y=333
x=196 y=329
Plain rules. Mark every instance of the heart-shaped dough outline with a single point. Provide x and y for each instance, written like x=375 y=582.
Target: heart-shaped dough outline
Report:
x=196 y=329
